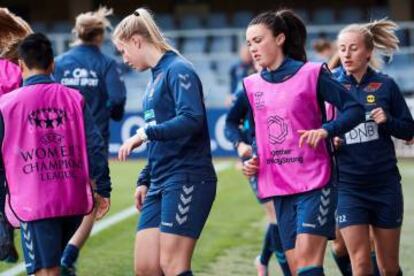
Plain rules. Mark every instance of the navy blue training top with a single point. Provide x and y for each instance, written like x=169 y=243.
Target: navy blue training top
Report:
x=238 y=71
x=239 y=121
x=176 y=124
x=97 y=77
x=368 y=153
x=97 y=161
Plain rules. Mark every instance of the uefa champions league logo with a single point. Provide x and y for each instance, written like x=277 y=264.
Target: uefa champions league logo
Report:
x=51 y=138
x=277 y=129
x=48 y=118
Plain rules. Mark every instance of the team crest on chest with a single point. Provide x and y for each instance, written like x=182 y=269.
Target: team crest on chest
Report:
x=372 y=87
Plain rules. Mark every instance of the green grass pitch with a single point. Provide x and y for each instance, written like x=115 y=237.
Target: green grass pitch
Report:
x=231 y=238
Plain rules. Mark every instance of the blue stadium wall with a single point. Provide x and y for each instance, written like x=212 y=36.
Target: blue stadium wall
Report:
x=220 y=146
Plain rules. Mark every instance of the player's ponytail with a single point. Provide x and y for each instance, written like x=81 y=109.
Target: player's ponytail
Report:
x=142 y=23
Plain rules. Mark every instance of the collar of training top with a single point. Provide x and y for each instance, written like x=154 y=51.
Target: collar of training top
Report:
x=288 y=68
x=365 y=79
x=163 y=61
x=36 y=79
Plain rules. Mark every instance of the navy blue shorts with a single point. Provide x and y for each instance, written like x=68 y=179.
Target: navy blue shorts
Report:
x=178 y=208
x=311 y=212
x=43 y=241
x=369 y=203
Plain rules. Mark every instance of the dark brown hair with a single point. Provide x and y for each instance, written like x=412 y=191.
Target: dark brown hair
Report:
x=291 y=25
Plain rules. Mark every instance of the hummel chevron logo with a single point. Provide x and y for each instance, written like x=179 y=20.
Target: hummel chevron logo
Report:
x=24 y=226
x=29 y=245
x=188 y=190
x=186 y=86
x=184 y=77
x=27 y=236
x=325 y=201
x=326 y=192
x=323 y=211
x=28 y=241
x=322 y=221
x=179 y=219
x=184 y=210
x=184 y=200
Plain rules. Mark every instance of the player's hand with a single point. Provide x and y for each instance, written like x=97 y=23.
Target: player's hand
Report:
x=244 y=150
x=128 y=146
x=251 y=166
x=379 y=115
x=102 y=206
x=312 y=137
x=337 y=142
x=140 y=193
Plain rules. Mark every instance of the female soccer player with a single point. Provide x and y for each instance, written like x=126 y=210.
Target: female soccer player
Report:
x=179 y=182
x=338 y=250
x=13 y=30
x=369 y=189
x=242 y=138
x=85 y=68
x=287 y=99
x=48 y=172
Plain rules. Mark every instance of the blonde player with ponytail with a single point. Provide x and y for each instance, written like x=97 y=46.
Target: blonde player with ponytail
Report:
x=176 y=190
x=369 y=188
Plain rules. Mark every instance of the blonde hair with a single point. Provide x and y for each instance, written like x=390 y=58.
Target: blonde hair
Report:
x=379 y=36
x=141 y=22
x=89 y=26
x=13 y=30
x=334 y=62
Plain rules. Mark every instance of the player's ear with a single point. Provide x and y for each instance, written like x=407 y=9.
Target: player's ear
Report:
x=137 y=41
x=23 y=68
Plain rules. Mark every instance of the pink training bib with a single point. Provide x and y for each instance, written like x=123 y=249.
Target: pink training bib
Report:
x=44 y=153
x=280 y=110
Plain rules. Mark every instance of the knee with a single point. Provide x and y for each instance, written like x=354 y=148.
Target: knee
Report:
x=390 y=271
x=307 y=257
x=361 y=267
x=168 y=267
x=52 y=271
x=146 y=270
x=173 y=266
